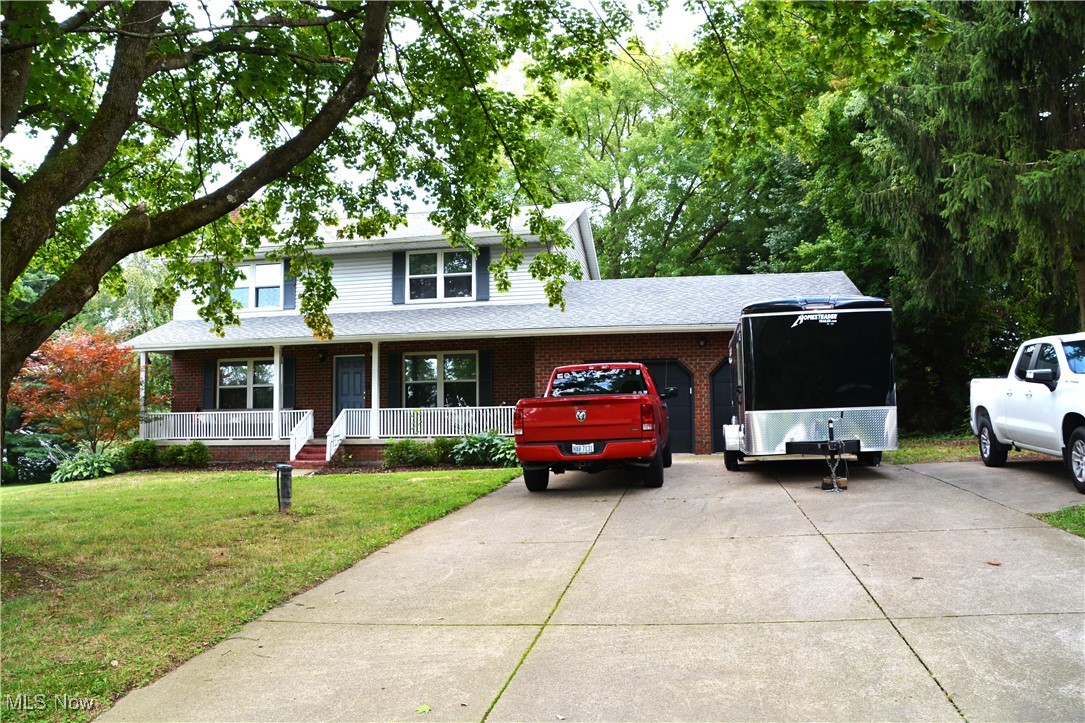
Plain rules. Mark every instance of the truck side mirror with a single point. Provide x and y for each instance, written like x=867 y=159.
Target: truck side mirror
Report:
x=669 y=392
x=1042 y=376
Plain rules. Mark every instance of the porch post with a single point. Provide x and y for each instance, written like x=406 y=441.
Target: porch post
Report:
x=142 y=383
x=277 y=390
x=375 y=394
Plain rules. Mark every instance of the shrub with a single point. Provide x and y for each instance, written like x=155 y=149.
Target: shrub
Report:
x=442 y=449
x=84 y=465
x=10 y=474
x=33 y=455
x=197 y=454
x=141 y=454
x=409 y=453
x=35 y=469
x=489 y=449
x=172 y=456
x=193 y=454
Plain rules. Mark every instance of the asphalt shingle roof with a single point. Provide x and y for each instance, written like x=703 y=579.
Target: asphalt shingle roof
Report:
x=688 y=303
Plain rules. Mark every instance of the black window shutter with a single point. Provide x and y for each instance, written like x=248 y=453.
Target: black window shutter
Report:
x=485 y=378
x=208 y=383
x=482 y=274
x=290 y=287
x=399 y=277
x=290 y=385
x=395 y=377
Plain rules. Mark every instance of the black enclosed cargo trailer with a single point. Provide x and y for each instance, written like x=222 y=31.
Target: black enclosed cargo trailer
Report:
x=813 y=376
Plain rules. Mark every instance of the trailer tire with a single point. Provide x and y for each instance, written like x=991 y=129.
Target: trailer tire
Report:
x=730 y=460
x=1075 y=458
x=992 y=452
x=652 y=476
x=870 y=459
x=536 y=480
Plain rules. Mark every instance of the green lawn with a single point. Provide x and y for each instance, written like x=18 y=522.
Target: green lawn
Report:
x=934 y=449
x=107 y=584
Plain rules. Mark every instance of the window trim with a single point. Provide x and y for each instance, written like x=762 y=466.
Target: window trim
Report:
x=440 y=277
x=250 y=386
x=440 y=381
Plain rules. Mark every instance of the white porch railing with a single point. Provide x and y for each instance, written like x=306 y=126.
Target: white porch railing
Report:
x=297 y=424
x=349 y=423
x=301 y=433
x=445 y=421
x=220 y=424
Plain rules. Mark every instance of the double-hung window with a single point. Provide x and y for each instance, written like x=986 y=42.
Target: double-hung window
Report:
x=440 y=275
x=441 y=380
x=246 y=384
x=260 y=286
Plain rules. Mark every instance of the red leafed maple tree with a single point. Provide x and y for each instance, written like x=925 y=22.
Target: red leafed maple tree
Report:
x=82 y=385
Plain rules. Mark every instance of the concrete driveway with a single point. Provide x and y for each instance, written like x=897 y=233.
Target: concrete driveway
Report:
x=920 y=593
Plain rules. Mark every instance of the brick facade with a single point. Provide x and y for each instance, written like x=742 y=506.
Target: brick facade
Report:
x=521 y=368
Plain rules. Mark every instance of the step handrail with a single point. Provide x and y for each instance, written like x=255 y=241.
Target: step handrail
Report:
x=336 y=434
x=301 y=433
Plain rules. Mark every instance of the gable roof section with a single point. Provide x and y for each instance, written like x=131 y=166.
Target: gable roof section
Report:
x=613 y=306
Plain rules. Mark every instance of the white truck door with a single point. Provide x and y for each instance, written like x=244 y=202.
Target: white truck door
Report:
x=1033 y=406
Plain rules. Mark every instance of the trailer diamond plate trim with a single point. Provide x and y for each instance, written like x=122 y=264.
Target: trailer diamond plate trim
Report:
x=768 y=433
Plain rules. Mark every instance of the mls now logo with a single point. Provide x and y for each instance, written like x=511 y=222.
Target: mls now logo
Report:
x=828 y=319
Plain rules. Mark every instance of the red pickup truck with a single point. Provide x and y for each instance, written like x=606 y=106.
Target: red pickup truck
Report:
x=594 y=416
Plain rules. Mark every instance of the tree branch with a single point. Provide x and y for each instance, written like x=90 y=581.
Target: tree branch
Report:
x=31 y=217
x=72 y=24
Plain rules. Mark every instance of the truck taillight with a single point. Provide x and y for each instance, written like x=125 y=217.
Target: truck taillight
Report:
x=518 y=422
x=647 y=418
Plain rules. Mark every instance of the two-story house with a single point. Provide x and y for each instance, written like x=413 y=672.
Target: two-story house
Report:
x=424 y=345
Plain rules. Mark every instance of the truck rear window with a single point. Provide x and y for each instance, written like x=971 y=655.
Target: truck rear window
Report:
x=585 y=382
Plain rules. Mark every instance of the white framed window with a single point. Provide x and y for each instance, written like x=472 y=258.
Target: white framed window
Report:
x=260 y=286
x=246 y=384
x=440 y=379
x=433 y=275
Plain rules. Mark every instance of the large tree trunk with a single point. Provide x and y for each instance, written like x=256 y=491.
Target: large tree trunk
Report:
x=31 y=218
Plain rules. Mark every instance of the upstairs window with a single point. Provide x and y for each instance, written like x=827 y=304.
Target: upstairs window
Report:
x=440 y=275
x=260 y=286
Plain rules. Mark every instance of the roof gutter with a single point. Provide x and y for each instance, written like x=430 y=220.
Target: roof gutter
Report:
x=442 y=336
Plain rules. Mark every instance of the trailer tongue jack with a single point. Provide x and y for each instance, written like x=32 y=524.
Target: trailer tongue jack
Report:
x=833 y=448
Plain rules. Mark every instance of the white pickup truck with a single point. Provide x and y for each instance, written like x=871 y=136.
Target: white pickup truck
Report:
x=1038 y=406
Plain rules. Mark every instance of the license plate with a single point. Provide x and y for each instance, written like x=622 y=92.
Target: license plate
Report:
x=583 y=449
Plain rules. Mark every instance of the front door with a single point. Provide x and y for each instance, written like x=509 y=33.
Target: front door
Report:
x=349 y=383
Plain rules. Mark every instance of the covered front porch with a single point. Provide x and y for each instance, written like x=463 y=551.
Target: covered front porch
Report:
x=356 y=393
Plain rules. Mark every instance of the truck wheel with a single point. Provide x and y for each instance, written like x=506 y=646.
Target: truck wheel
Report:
x=992 y=452
x=653 y=475
x=1076 y=459
x=668 y=458
x=537 y=479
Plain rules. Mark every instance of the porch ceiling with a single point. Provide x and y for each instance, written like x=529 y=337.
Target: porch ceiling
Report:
x=678 y=304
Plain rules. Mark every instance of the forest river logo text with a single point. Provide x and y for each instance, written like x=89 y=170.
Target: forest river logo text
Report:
x=828 y=319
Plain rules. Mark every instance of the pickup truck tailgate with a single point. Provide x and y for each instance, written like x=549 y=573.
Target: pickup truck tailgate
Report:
x=568 y=419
